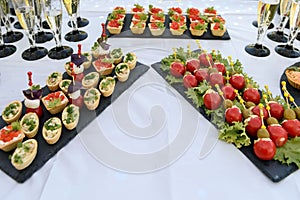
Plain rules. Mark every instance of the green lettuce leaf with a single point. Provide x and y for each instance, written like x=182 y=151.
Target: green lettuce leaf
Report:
x=290 y=152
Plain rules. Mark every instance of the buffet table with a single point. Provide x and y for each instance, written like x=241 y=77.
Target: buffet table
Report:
x=103 y=161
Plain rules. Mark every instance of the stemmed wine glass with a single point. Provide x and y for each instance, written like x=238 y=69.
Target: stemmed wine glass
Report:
x=5 y=50
x=75 y=35
x=53 y=13
x=266 y=12
x=25 y=12
x=288 y=50
x=10 y=36
x=41 y=36
x=278 y=36
x=81 y=22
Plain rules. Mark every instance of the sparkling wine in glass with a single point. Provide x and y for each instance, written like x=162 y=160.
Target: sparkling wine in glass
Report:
x=266 y=12
x=53 y=13
x=25 y=13
x=75 y=35
x=10 y=36
x=288 y=50
x=278 y=36
x=5 y=50
x=81 y=22
x=41 y=36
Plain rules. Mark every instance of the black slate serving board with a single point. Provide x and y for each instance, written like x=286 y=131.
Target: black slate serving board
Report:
x=273 y=169
x=293 y=91
x=126 y=32
x=46 y=151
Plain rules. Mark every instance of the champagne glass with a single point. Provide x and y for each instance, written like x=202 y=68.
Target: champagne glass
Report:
x=81 y=22
x=278 y=36
x=5 y=50
x=266 y=12
x=75 y=35
x=11 y=19
x=53 y=13
x=41 y=36
x=288 y=50
x=10 y=36
x=25 y=12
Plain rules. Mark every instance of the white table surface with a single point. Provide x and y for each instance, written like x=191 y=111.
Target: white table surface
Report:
x=81 y=171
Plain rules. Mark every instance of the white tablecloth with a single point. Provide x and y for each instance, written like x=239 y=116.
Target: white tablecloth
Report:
x=82 y=170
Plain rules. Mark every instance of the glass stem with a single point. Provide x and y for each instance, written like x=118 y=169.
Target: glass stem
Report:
x=292 y=36
x=1 y=39
x=282 y=24
x=6 y=23
x=39 y=23
x=261 y=32
x=74 y=22
x=57 y=37
x=30 y=35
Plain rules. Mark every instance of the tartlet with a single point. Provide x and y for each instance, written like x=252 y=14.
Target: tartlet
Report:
x=137 y=9
x=177 y=28
x=137 y=27
x=64 y=85
x=122 y=71
x=192 y=12
x=90 y=80
x=178 y=18
x=293 y=76
x=107 y=86
x=157 y=28
x=12 y=112
x=30 y=124
x=10 y=136
x=91 y=98
x=70 y=116
x=24 y=154
x=154 y=10
x=159 y=17
x=104 y=66
x=141 y=17
x=53 y=80
x=114 y=27
x=52 y=130
x=119 y=9
x=217 y=29
x=198 y=28
x=174 y=10
x=116 y=55
x=55 y=102
x=210 y=11
x=131 y=59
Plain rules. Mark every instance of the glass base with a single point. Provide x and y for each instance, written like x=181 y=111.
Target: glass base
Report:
x=277 y=36
x=12 y=36
x=60 y=52
x=42 y=37
x=254 y=23
x=11 y=19
x=17 y=25
x=75 y=36
x=34 y=53
x=12 y=11
x=45 y=25
x=257 y=50
x=287 y=51
x=81 y=22
x=7 y=50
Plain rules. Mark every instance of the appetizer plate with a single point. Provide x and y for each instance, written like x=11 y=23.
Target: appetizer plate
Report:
x=126 y=32
x=293 y=91
x=46 y=151
x=274 y=170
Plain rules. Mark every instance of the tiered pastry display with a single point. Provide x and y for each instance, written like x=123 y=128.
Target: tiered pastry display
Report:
x=231 y=100
x=66 y=96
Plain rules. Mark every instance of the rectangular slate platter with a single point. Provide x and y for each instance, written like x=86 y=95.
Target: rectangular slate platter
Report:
x=126 y=32
x=46 y=151
x=273 y=169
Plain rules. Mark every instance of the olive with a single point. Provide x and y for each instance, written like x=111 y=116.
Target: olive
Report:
x=246 y=113
x=289 y=114
x=227 y=103
x=297 y=111
x=272 y=120
x=263 y=133
x=249 y=104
